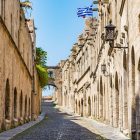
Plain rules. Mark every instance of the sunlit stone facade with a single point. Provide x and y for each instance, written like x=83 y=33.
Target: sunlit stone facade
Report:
x=17 y=52
x=112 y=97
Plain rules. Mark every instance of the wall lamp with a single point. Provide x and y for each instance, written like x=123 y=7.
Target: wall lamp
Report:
x=111 y=35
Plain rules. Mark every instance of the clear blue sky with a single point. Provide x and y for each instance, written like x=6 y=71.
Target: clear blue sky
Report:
x=58 y=26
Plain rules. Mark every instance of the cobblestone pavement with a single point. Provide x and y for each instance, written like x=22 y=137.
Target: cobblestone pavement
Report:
x=57 y=126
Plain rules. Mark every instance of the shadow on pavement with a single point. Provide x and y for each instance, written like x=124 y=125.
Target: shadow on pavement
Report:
x=57 y=126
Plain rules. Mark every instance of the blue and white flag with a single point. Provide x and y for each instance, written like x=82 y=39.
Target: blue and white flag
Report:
x=83 y=12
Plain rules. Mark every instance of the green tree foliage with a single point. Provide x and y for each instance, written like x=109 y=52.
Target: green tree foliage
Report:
x=41 y=57
x=41 y=60
x=43 y=76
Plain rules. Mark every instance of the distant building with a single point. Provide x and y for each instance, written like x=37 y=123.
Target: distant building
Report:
x=55 y=80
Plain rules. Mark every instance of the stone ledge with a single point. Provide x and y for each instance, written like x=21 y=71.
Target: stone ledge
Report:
x=7 y=121
x=7 y=124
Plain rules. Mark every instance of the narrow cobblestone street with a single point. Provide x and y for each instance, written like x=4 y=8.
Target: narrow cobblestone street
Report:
x=57 y=126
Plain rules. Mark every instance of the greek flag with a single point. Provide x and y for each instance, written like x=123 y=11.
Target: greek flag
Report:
x=83 y=12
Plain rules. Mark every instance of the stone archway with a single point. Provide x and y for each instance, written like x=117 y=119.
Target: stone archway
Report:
x=15 y=103
x=116 y=105
x=111 y=101
x=76 y=106
x=55 y=80
x=95 y=106
x=21 y=104
x=89 y=106
x=138 y=104
x=104 y=103
x=97 y=100
x=101 y=99
x=25 y=108
x=133 y=123
x=29 y=111
x=125 y=90
x=82 y=107
x=79 y=107
x=7 y=100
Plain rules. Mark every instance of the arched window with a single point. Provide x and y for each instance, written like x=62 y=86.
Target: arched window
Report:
x=89 y=106
x=25 y=106
x=15 y=103
x=116 y=82
x=7 y=100
x=81 y=107
x=98 y=86
x=101 y=98
x=76 y=106
x=124 y=60
x=133 y=56
x=133 y=93
x=101 y=86
x=29 y=107
x=21 y=104
x=111 y=81
x=125 y=89
x=117 y=104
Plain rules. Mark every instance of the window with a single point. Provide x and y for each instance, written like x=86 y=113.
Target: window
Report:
x=15 y=103
x=12 y=25
x=25 y=107
x=51 y=74
x=7 y=100
x=21 y=104
x=29 y=107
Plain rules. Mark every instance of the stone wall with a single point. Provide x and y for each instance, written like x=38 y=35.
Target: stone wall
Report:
x=111 y=96
x=16 y=67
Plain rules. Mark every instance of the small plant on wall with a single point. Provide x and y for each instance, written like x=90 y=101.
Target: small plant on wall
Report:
x=26 y=5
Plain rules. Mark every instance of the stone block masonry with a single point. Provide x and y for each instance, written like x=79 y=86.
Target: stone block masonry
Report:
x=16 y=67
x=112 y=96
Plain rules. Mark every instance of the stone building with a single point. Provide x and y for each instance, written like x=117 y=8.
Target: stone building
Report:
x=37 y=90
x=102 y=82
x=16 y=67
x=55 y=80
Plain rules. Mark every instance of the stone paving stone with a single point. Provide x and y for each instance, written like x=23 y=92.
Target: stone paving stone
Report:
x=104 y=130
x=13 y=132
x=57 y=126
